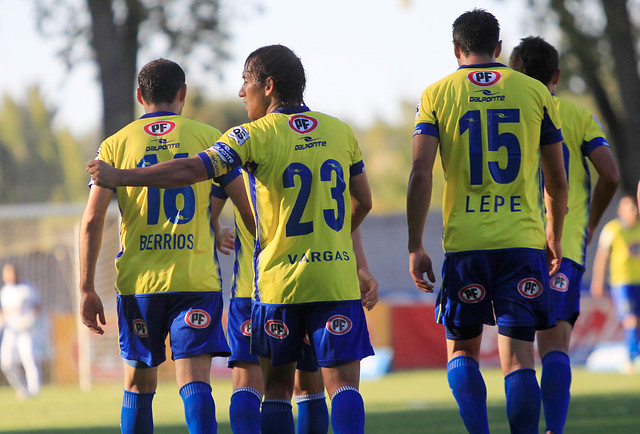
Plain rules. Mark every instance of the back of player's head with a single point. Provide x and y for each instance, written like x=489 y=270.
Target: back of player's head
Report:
x=160 y=80
x=284 y=68
x=536 y=58
x=476 y=32
x=9 y=274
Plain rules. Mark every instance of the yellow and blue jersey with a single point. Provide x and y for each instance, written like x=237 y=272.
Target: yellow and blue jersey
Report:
x=490 y=121
x=166 y=234
x=301 y=162
x=582 y=134
x=624 y=245
x=243 y=274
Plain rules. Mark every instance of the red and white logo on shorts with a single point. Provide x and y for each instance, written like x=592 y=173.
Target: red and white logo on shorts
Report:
x=560 y=282
x=140 y=328
x=197 y=318
x=339 y=325
x=529 y=288
x=276 y=329
x=245 y=328
x=306 y=339
x=302 y=124
x=159 y=128
x=472 y=293
x=484 y=78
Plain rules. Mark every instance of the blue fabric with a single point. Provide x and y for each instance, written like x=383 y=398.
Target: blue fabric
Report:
x=199 y=408
x=276 y=417
x=313 y=416
x=523 y=401
x=136 y=416
x=631 y=340
x=470 y=392
x=347 y=411
x=555 y=384
x=244 y=411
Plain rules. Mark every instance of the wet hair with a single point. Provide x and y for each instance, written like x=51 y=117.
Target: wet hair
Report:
x=476 y=32
x=284 y=68
x=160 y=80
x=536 y=58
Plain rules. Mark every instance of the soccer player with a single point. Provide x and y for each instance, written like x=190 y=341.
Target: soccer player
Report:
x=619 y=251
x=19 y=307
x=310 y=193
x=583 y=138
x=168 y=278
x=494 y=128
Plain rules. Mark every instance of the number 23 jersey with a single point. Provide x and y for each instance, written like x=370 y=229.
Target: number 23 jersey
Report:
x=300 y=163
x=491 y=122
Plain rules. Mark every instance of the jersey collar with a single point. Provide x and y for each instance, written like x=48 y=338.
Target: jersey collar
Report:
x=157 y=114
x=484 y=65
x=292 y=110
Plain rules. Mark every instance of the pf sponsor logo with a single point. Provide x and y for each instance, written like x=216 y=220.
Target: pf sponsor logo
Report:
x=245 y=328
x=140 y=328
x=303 y=124
x=197 y=318
x=472 y=293
x=339 y=325
x=529 y=288
x=276 y=329
x=159 y=128
x=560 y=282
x=484 y=78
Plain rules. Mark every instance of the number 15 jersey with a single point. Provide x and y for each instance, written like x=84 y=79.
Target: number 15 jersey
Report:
x=491 y=122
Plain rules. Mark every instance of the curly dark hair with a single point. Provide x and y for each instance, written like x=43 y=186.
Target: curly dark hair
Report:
x=160 y=80
x=476 y=32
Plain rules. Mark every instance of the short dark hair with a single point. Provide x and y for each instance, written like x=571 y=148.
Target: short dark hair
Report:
x=284 y=67
x=476 y=32
x=160 y=80
x=536 y=58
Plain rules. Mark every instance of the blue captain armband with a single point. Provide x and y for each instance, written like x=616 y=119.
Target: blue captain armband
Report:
x=356 y=168
x=219 y=159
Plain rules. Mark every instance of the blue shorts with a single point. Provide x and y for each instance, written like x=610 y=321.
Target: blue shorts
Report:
x=626 y=299
x=239 y=332
x=507 y=287
x=337 y=331
x=192 y=319
x=565 y=291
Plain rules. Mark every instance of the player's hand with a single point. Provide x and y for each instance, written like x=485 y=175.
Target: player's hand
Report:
x=225 y=241
x=102 y=174
x=90 y=308
x=420 y=263
x=368 y=288
x=554 y=256
x=597 y=290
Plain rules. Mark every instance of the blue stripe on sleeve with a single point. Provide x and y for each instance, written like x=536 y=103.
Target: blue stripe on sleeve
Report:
x=218 y=191
x=226 y=179
x=588 y=147
x=549 y=134
x=206 y=160
x=357 y=168
x=426 y=128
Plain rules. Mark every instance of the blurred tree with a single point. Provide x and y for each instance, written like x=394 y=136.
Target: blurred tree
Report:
x=599 y=51
x=117 y=30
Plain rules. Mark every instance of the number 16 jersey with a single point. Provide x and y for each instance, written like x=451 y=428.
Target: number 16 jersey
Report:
x=490 y=121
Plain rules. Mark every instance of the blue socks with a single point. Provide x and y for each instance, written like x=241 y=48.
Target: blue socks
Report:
x=470 y=392
x=199 y=408
x=347 y=411
x=523 y=401
x=276 y=417
x=631 y=339
x=555 y=384
x=244 y=410
x=313 y=416
x=136 y=416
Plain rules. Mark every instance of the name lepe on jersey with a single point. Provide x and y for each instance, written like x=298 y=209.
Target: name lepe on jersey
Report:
x=493 y=203
x=326 y=256
x=166 y=242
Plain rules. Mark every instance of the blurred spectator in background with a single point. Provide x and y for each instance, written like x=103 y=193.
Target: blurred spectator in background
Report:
x=19 y=303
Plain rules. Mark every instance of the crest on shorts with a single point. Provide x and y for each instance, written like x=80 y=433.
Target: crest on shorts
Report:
x=140 y=328
x=276 y=329
x=197 y=318
x=472 y=293
x=245 y=328
x=339 y=325
x=559 y=282
x=484 y=77
x=529 y=288
x=159 y=128
x=302 y=124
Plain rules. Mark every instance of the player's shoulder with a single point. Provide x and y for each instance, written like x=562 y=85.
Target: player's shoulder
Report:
x=572 y=108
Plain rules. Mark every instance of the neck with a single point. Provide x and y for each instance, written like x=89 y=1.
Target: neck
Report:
x=475 y=59
x=152 y=108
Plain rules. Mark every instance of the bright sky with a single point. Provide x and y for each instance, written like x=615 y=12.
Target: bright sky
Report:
x=363 y=58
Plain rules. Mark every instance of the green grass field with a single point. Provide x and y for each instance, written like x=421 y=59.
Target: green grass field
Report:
x=401 y=402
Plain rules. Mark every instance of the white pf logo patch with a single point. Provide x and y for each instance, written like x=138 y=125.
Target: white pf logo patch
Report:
x=529 y=288
x=302 y=124
x=339 y=325
x=140 y=328
x=276 y=329
x=472 y=293
x=484 y=78
x=197 y=318
x=560 y=282
x=159 y=128
x=245 y=328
